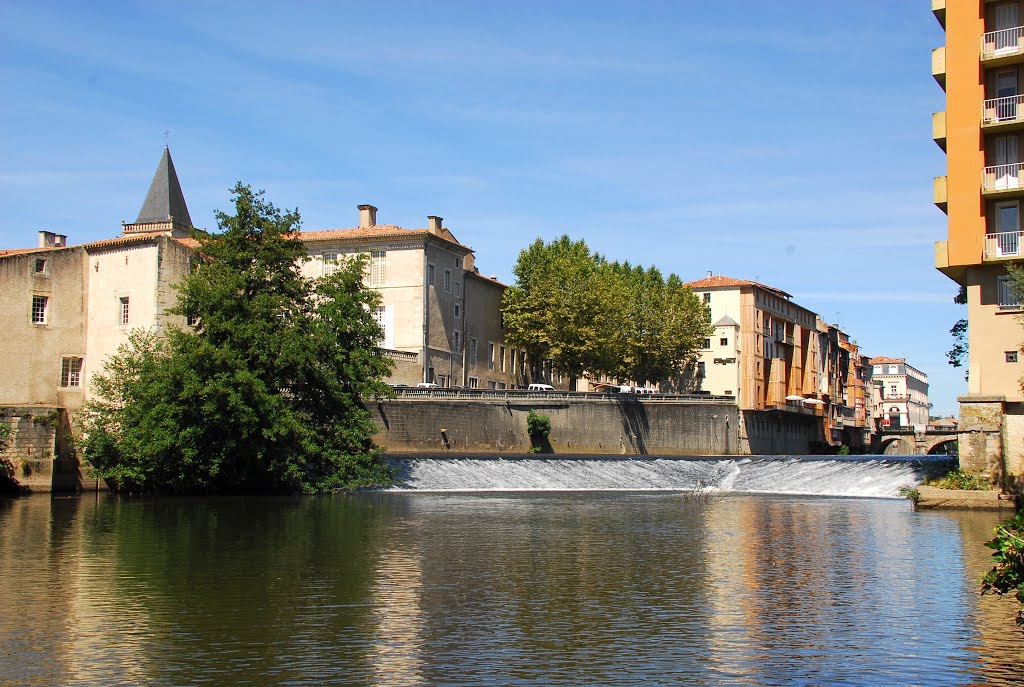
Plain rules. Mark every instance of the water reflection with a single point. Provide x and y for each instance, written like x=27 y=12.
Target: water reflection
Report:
x=524 y=589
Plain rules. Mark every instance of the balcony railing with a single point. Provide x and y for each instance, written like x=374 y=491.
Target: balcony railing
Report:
x=1002 y=42
x=1003 y=245
x=1001 y=110
x=1003 y=177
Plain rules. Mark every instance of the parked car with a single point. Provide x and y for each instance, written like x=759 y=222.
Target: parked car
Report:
x=427 y=385
x=540 y=387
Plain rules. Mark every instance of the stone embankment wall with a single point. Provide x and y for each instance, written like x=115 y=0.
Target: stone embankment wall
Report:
x=610 y=426
x=39 y=456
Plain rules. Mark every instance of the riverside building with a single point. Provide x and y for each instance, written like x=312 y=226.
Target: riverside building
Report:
x=980 y=69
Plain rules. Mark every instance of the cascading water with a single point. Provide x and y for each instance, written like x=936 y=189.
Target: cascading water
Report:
x=867 y=476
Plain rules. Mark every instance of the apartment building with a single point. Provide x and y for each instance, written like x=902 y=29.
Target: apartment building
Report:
x=764 y=351
x=980 y=69
x=441 y=318
x=900 y=395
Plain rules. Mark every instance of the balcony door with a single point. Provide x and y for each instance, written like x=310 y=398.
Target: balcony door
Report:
x=1007 y=167
x=1006 y=95
x=1005 y=18
x=1007 y=229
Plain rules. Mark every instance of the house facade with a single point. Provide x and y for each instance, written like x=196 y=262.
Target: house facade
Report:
x=980 y=68
x=900 y=394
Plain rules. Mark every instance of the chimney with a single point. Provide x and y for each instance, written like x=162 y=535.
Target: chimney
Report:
x=434 y=224
x=48 y=239
x=367 y=216
x=709 y=274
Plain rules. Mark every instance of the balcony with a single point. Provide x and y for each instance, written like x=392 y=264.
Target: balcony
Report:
x=1005 y=46
x=939 y=10
x=939 y=129
x=1003 y=245
x=1005 y=114
x=1003 y=180
x=940 y=194
x=939 y=66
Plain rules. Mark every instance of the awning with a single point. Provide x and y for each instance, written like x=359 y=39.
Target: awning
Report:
x=794 y=397
x=814 y=402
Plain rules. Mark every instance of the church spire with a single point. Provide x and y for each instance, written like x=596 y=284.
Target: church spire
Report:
x=164 y=208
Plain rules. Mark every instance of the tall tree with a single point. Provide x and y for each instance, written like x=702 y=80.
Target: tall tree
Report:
x=266 y=392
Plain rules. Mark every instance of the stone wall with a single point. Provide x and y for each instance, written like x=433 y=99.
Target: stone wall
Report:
x=624 y=426
x=31 y=446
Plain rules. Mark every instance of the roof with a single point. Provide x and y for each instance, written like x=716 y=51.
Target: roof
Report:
x=489 y=280
x=720 y=280
x=727 y=321
x=165 y=199
x=881 y=360
x=19 y=251
x=378 y=231
x=190 y=243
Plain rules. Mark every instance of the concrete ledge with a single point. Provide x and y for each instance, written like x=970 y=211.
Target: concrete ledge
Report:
x=933 y=497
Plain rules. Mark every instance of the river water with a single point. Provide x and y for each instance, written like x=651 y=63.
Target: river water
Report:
x=499 y=588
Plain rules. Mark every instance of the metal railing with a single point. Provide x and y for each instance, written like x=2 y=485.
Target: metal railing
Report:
x=1008 y=109
x=1003 y=245
x=1002 y=42
x=525 y=395
x=1003 y=177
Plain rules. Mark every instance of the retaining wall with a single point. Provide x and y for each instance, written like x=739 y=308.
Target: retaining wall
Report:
x=625 y=426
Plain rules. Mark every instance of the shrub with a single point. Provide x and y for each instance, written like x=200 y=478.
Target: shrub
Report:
x=538 y=426
x=1007 y=575
x=961 y=480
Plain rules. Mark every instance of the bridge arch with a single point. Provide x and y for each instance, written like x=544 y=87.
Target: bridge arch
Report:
x=945 y=447
x=893 y=446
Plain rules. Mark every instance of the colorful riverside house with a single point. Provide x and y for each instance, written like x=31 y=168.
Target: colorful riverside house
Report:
x=765 y=352
x=980 y=69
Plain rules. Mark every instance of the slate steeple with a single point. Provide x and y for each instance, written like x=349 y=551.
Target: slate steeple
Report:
x=164 y=208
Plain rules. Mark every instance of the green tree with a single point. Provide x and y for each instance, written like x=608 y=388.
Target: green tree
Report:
x=1007 y=574
x=266 y=392
x=958 y=354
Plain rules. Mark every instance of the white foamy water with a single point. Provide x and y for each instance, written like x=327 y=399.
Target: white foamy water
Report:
x=865 y=476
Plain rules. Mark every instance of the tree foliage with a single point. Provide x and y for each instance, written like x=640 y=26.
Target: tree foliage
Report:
x=957 y=355
x=1007 y=573
x=265 y=392
x=574 y=308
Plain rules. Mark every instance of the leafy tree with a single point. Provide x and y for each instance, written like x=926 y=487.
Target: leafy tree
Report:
x=958 y=354
x=266 y=392
x=579 y=311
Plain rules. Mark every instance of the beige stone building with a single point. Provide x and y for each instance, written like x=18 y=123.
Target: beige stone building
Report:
x=764 y=351
x=68 y=308
x=900 y=394
x=441 y=318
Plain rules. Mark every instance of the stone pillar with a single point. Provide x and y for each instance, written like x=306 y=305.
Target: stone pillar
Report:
x=980 y=435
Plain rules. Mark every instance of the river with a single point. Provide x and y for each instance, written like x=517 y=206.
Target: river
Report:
x=499 y=588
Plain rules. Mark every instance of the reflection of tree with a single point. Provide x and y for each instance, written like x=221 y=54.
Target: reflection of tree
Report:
x=251 y=589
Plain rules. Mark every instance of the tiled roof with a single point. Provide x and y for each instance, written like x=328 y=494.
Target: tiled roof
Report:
x=720 y=280
x=19 y=251
x=107 y=243
x=379 y=231
x=881 y=360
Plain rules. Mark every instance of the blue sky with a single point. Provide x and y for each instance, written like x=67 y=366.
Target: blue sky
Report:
x=785 y=142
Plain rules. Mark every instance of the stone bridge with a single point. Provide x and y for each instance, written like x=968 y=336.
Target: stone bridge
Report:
x=907 y=442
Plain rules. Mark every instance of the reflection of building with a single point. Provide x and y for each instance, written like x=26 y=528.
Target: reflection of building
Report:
x=901 y=393
x=763 y=351
x=980 y=68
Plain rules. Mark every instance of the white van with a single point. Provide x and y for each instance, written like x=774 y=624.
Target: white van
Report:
x=540 y=387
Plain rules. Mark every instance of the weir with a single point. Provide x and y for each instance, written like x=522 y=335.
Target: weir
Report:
x=861 y=476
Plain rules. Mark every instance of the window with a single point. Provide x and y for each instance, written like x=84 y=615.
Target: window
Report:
x=458 y=342
x=1007 y=299
x=458 y=289
x=491 y=384
x=39 y=304
x=472 y=351
x=458 y=311
x=894 y=369
x=878 y=369
x=458 y=262
x=40 y=266
x=430 y=374
x=490 y=355
x=892 y=389
x=707 y=343
x=123 y=310
x=501 y=385
x=707 y=298
x=501 y=357
x=191 y=319
x=701 y=370
x=1011 y=356
x=330 y=263
x=513 y=366
x=378 y=267
x=724 y=341
x=474 y=382
x=71 y=372
x=447 y=281
x=430 y=275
